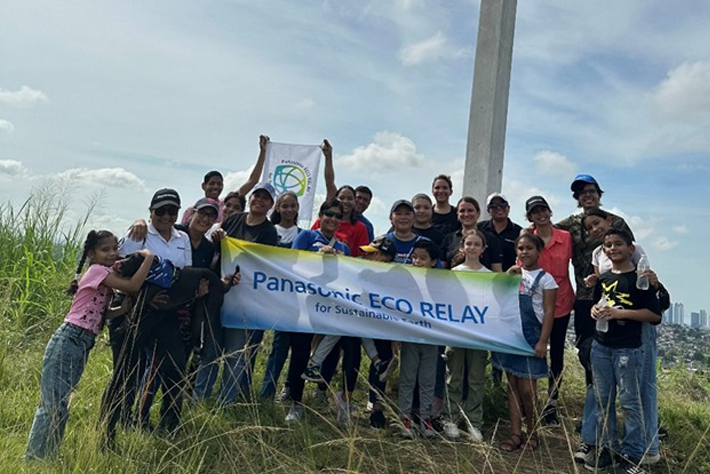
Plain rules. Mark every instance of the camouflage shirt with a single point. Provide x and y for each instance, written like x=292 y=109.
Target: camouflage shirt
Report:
x=584 y=245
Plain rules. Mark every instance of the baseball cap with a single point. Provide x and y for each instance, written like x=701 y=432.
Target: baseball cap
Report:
x=401 y=202
x=535 y=201
x=165 y=197
x=581 y=179
x=494 y=196
x=266 y=187
x=382 y=244
x=207 y=203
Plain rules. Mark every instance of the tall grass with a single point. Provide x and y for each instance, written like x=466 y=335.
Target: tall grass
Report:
x=37 y=259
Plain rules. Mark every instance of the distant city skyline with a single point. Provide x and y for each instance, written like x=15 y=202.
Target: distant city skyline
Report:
x=676 y=315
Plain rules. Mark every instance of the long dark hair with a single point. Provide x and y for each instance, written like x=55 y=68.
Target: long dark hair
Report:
x=275 y=214
x=353 y=214
x=93 y=239
x=460 y=257
x=235 y=194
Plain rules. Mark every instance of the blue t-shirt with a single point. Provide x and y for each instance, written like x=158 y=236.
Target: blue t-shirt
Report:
x=404 y=249
x=313 y=240
x=368 y=225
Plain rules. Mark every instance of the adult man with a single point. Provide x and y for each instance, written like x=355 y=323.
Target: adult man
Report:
x=239 y=344
x=363 y=197
x=502 y=227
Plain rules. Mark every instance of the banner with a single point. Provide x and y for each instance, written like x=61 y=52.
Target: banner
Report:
x=299 y=291
x=293 y=168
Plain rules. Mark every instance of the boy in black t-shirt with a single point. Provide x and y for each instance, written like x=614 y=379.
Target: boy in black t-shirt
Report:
x=617 y=355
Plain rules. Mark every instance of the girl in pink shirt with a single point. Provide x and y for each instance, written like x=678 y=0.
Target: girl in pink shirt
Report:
x=68 y=348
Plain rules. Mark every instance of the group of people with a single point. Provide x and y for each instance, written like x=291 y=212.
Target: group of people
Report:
x=154 y=335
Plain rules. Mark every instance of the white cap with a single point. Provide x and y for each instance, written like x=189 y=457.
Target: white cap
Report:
x=496 y=195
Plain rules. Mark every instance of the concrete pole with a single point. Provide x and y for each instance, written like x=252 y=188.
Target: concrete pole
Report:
x=483 y=170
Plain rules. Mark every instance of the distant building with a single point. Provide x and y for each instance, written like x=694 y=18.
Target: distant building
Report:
x=668 y=316
x=678 y=310
x=694 y=320
x=703 y=318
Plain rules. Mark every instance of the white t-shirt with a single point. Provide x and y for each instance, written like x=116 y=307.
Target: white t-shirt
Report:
x=462 y=268
x=547 y=282
x=602 y=262
x=286 y=235
x=178 y=249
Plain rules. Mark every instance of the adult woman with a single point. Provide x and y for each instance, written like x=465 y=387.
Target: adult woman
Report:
x=284 y=217
x=468 y=211
x=351 y=232
x=444 y=218
x=554 y=259
x=317 y=240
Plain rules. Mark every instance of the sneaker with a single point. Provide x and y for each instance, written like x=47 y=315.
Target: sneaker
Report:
x=312 y=374
x=451 y=431
x=662 y=432
x=583 y=450
x=650 y=459
x=295 y=413
x=284 y=395
x=320 y=397
x=475 y=434
x=549 y=418
x=627 y=466
x=405 y=431
x=427 y=428
x=377 y=419
x=597 y=460
x=386 y=368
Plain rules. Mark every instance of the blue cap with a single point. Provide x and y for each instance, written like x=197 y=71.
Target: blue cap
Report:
x=581 y=179
x=266 y=187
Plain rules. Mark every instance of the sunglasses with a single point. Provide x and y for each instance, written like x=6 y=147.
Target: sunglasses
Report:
x=170 y=210
x=329 y=213
x=497 y=206
x=209 y=215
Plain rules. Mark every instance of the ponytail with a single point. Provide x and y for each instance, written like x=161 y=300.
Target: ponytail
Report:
x=93 y=238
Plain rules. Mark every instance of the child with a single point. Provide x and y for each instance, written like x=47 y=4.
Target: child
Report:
x=418 y=361
x=538 y=293
x=617 y=355
x=468 y=259
x=69 y=346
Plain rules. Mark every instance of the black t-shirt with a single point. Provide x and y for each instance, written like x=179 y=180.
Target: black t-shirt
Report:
x=203 y=255
x=620 y=289
x=446 y=223
x=431 y=233
x=507 y=240
x=492 y=254
x=236 y=226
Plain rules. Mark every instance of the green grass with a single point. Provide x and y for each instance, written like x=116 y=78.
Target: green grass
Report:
x=37 y=259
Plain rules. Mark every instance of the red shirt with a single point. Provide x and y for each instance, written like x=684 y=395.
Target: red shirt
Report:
x=555 y=259
x=352 y=235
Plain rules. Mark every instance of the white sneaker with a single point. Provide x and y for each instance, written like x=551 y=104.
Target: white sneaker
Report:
x=475 y=434
x=451 y=431
x=651 y=459
x=295 y=414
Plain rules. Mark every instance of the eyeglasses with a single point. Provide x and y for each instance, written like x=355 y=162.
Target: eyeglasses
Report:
x=171 y=210
x=496 y=205
x=329 y=213
x=209 y=215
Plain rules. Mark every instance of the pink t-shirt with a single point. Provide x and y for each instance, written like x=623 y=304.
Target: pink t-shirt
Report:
x=91 y=300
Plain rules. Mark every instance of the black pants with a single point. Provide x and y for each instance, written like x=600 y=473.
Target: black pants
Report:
x=300 y=344
x=377 y=388
x=350 y=347
x=584 y=327
x=557 y=354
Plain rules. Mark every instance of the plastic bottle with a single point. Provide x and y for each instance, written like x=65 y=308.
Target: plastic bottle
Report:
x=602 y=324
x=642 y=281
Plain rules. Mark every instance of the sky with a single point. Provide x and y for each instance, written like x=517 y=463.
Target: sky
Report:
x=119 y=99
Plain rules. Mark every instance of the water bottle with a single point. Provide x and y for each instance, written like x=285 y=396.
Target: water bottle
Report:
x=642 y=281
x=602 y=324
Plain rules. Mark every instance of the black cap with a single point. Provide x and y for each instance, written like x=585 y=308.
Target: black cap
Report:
x=535 y=201
x=383 y=244
x=401 y=202
x=207 y=203
x=165 y=197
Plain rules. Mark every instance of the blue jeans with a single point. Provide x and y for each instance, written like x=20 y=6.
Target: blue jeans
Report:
x=210 y=358
x=62 y=366
x=240 y=349
x=649 y=392
x=275 y=364
x=619 y=369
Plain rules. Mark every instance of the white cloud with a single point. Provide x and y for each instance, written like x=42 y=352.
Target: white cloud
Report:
x=11 y=168
x=551 y=162
x=685 y=92
x=389 y=150
x=109 y=177
x=25 y=97
x=6 y=127
x=664 y=244
x=681 y=229
x=417 y=53
x=234 y=180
